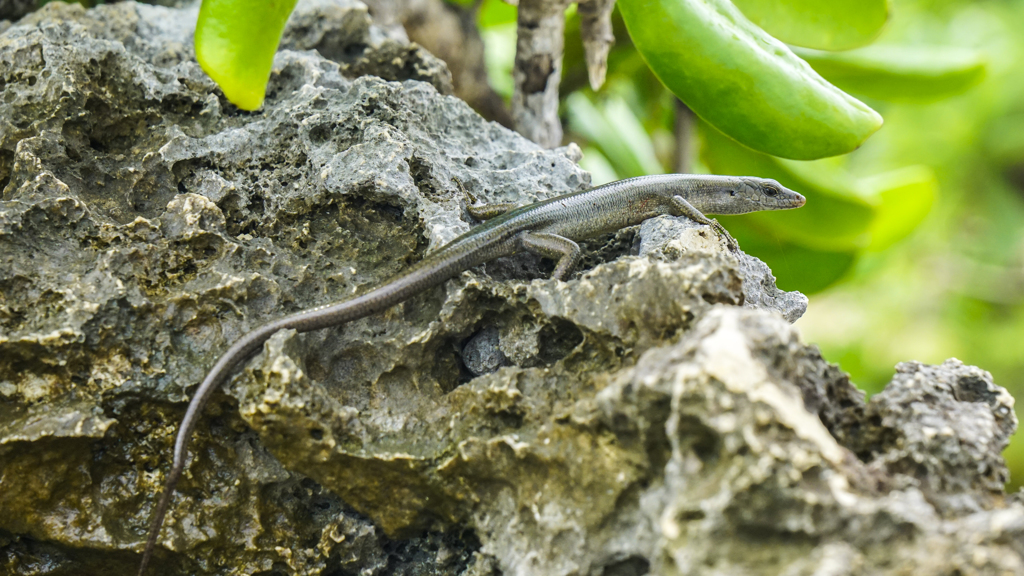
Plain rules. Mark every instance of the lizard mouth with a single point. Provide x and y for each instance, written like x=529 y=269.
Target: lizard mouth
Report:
x=789 y=200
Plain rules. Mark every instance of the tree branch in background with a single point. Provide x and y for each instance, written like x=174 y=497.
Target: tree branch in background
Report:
x=683 y=132
x=449 y=32
x=596 y=30
x=538 y=70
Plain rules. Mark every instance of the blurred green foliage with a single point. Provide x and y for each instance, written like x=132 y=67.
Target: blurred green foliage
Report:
x=900 y=73
x=835 y=25
x=955 y=287
x=912 y=247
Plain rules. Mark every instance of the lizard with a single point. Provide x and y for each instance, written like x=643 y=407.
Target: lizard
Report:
x=549 y=229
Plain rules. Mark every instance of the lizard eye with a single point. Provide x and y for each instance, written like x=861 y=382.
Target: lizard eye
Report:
x=769 y=190
x=732 y=192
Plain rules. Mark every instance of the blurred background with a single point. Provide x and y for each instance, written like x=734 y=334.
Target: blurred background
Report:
x=937 y=270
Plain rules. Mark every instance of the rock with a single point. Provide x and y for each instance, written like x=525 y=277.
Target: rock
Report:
x=666 y=238
x=482 y=353
x=653 y=414
x=341 y=30
x=755 y=483
x=940 y=429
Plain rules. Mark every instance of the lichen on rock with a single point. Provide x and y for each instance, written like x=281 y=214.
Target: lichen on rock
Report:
x=656 y=413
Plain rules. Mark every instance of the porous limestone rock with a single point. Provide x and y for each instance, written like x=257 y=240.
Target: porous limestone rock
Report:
x=653 y=414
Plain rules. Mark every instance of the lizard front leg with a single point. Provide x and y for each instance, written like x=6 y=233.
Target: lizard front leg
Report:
x=686 y=209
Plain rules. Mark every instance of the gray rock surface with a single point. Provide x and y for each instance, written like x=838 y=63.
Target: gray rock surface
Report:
x=341 y=30
x=667 y=238
x=653 y=414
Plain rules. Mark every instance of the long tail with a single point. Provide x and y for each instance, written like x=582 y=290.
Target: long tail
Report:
x=237 y=353
x=422 y=276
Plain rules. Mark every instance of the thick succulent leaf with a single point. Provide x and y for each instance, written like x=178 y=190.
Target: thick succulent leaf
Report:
x=744 y=82
x=825 y=25
x=900 y=73
x=235 y=44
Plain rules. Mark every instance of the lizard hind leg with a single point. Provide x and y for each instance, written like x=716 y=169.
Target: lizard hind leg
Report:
x=684 y=208
x=488 y=211
x=553 y=246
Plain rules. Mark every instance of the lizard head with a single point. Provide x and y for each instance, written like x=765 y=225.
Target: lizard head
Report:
x=751 y=194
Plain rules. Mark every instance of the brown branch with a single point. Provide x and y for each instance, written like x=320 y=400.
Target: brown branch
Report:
x=538 y=70
x=596 y=30
x=683 y=132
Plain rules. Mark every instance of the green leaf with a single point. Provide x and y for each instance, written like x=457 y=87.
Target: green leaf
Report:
x=795 y=267
x=616 y=131
x=499 y=56
x=496 y=13
x=631 y=132
x=1004 y=140
x=744 y=82
x=905 y=198
x=601 y=171
x=900 y=73
x=235 y=45
x=837 y=216
x=831 y=25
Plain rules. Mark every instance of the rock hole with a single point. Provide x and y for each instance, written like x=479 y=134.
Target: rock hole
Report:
x=355 y=50
x=558 y=339
x=316 y=434
x=971 y=389
x=698 y=437
x=690 y=515
x=631 y=566
x=370 y=108
x=388 y=212
x=419 y=170
x=321 y=133
x=257 y=204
